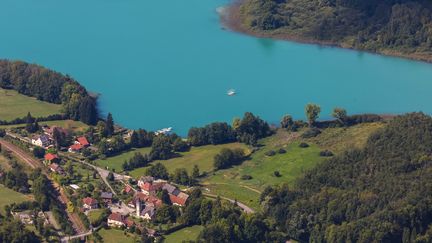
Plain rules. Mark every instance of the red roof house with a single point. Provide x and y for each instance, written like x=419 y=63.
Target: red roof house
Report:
x=179 y=199
x=90 y=203
x=75 y=148
x=83 y=141
x=51 y=157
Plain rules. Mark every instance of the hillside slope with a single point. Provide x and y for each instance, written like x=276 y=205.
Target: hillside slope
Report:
x=394 y=27
x=382 y=193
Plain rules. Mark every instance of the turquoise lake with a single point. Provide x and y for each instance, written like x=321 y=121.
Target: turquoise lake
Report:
x=170 y=63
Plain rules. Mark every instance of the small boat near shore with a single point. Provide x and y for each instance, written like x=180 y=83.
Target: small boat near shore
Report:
x=164 y=131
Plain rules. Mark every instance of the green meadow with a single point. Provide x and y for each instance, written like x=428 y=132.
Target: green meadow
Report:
x=290 y=165
x=8 y=196
x=201 y=156
x=14 y=105
x=185 y=234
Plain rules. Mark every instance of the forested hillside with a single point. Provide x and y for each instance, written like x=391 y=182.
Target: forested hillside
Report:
x=382 y=193
x=398 y=27
x=47 y=85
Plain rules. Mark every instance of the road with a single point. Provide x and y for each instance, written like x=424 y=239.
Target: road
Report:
x=68 y=238
x=34 y=163
x=245 y=208
x=103 y=174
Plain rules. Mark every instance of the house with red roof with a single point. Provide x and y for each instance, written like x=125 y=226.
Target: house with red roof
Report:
x=51 y=158
x=82 y=141
x=179 y=199
x=56 y=168
x=90 y=203
x=117 y=220
x=75 y=148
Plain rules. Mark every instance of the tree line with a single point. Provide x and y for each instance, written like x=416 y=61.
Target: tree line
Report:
x=47 y=85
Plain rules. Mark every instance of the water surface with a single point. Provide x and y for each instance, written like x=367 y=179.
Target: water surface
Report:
x=169 y=63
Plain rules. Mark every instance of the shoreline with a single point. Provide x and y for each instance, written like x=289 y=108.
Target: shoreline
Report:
x=231 y=20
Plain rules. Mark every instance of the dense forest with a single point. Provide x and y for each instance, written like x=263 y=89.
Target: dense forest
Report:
x=381 y=193
x=400 y=27
x=46 y=85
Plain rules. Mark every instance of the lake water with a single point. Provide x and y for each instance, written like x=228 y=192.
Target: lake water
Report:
x=169 y=63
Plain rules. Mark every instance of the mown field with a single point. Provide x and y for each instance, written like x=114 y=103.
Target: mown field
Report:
x=14 y=105
x=8 y=196
x=201 y=156
x=116 y=162
x=116 y=236
x=290 y=165
x=75 y=126
x=186 y=234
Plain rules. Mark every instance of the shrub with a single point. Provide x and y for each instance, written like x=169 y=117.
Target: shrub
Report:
x=246 y=177
x=303 y=145
x=311 y=133
x=326 y=153
x=282 y=151
x=277 y=174
x=270 y=153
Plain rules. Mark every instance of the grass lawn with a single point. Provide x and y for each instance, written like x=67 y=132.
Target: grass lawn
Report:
x=116 y=162
x=201 y=156
x=116 y=236
x=8 y=196
x=75 y=126
x=94 y=215
x=186 y=234
x=14 y=105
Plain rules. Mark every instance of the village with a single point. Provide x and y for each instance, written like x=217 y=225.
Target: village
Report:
x=119 y=201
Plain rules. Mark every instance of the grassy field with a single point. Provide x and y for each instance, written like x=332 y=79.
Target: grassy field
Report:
x=8 y=196
x=201 y=156
x=75 y=126
x=291 y=165
x=116 y=236
x=341 y=139
x=186 y=234
x=94 y=215
x=116 y=162
x=14 y=105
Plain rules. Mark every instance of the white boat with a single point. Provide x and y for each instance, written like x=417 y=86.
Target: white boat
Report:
x=231 y=92
x=164 y=131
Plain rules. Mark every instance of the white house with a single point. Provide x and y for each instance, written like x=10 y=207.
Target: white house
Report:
x=116 y=220
x=41 y=141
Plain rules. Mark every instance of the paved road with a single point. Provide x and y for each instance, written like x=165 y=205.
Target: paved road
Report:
x=245 y=208
x=68 y=238
x=34 y=163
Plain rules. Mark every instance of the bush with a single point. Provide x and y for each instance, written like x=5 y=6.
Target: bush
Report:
x=246 y=177
x=282 y=151
x=311 y=133
x=270 y=153
x=303 y=145
x=2 y=133
x=39 y=152
x=277 y=174
x=326 y=153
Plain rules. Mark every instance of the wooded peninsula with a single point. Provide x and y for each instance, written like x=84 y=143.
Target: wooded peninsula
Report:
x=391 y=27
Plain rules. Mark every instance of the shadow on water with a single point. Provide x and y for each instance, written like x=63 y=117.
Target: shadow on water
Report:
x=267 y=45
